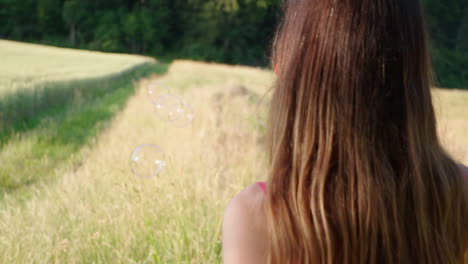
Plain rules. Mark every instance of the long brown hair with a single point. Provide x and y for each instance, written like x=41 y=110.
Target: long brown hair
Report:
x=358 y=174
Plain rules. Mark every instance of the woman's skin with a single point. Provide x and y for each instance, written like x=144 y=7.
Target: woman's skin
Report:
x=244 y=228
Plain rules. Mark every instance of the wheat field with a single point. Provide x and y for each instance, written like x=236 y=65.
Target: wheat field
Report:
x=99 y=212
x=35 y=79
x=29 y=65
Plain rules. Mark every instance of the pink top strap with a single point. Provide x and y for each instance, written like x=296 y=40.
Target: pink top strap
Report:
x=262 y=186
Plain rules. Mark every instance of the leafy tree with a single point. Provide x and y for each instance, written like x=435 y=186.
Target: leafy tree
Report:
x=48 y=13
x=108 y=34
x=462 y=38
x=74 y=11
x=231 y=31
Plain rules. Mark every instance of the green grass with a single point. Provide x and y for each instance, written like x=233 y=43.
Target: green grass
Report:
x=34 y=149
x=35 y=79
x=96 y=211
x=53 y=102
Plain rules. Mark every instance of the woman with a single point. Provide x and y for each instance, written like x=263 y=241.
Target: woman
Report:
x=358 y=173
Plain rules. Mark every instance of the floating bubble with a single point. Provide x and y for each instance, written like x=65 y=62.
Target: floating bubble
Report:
x=148 y=161
x=168 y=107
x=184 y=115
x=156 y=89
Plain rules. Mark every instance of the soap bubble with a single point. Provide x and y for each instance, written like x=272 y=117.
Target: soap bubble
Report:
x=148 y=161
x=174 y=110
x=156 y=89
x=168 y=107
x=184 y=116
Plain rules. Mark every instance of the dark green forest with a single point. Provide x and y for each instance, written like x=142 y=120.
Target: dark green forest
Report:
x=229 y=31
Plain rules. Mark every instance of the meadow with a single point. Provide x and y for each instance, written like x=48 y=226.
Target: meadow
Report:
x=52 y=104
x=97 y=211
x=35 y=78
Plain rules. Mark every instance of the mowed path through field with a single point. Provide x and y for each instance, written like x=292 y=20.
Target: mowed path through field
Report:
x=101 y=213
x=53 y=101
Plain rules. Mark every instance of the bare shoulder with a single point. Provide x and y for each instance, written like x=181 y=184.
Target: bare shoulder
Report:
x=247 y=206
x=249 y=200
x=244 y=228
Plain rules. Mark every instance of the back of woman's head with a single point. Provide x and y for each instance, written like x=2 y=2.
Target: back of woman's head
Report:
x=358 y=172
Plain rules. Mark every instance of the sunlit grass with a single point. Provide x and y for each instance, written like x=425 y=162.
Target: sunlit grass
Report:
x=53 y=101
x=452 y=112
x=28 y=65
x=99 y=212
x=32 y=151
x=35 y=79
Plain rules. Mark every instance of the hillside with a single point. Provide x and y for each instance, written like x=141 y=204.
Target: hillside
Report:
x=99 y=212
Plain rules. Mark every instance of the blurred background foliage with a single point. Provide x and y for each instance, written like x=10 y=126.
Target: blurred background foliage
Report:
x=229 y=31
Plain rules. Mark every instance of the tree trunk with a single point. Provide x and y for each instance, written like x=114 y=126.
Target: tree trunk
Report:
x=73 y=35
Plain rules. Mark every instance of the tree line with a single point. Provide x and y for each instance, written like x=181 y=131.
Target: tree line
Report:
x=230 y=31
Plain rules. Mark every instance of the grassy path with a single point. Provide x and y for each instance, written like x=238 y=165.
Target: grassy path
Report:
x=46 y=143
x=101 y=213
